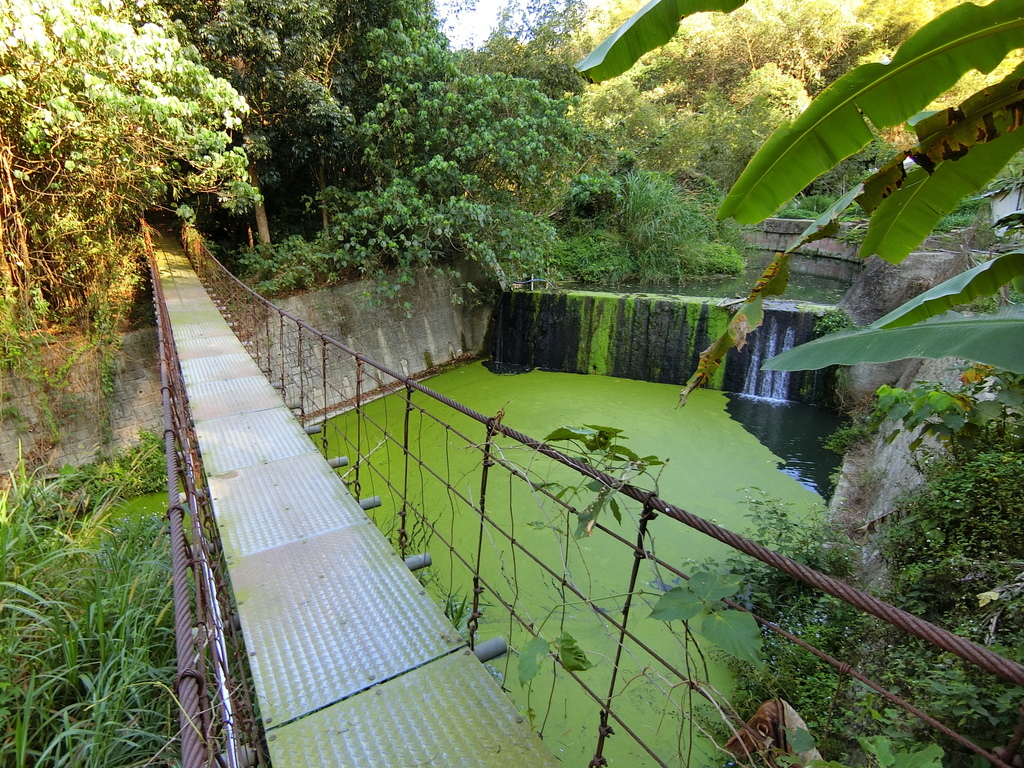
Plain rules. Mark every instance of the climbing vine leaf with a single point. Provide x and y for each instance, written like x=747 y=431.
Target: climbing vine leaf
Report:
x=530 y=657
x=571 y=655
x=735 y=632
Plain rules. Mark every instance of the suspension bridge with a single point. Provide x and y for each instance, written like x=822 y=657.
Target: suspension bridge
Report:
x=282 y=579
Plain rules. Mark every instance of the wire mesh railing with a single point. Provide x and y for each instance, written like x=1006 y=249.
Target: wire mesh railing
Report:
x=218 y=726
x=597 y=682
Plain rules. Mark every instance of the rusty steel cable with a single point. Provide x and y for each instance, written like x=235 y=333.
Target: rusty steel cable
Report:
x=217 y=722
x=971 y=652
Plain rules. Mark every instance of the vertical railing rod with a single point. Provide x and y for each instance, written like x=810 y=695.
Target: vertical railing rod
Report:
x=639 y=553
x=323 y=385
x=487 y=462
x=280 y=346
x=359 y=427
x=403 y=512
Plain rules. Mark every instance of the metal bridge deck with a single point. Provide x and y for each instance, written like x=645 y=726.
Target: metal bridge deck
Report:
x=353 y=664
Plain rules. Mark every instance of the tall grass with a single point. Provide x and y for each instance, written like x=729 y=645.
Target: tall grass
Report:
x=651 y=229
x=85 y=630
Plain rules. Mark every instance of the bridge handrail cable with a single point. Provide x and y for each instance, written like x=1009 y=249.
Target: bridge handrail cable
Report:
x=222 y=283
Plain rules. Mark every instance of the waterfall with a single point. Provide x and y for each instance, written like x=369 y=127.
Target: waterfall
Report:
x=651 y=338
x=776 y=334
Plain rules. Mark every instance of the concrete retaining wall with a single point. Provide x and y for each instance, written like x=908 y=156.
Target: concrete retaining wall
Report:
x=76 y=423
x=441 y=323
x=828 y=257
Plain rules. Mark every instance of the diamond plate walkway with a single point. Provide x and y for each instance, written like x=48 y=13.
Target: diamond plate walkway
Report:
x=353 y=664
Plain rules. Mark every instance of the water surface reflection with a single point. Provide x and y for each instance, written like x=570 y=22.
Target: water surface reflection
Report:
x=793 y=432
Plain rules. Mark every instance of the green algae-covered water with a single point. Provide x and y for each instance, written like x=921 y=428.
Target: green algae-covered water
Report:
x=712 y=467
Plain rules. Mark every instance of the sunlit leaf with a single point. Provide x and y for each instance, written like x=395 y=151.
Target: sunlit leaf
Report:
x=678 y=604
x=826 y=225
x=571 y=655
x=650 y=27
x=905 y=218
x=835 y=125
x=982 y=280
x=984 y=598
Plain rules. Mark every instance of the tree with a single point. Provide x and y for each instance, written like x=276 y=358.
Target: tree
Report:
x=292 y=61
x=379 y=150
x=958 y=149
x=540 y=42
x=103 y=114
x=452 y=164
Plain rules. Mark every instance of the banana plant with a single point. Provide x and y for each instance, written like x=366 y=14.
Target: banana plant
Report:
x=959 y=150
x=927 y=326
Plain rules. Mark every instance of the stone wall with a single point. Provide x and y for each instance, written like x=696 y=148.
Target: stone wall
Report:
x=76 y=423
x=779 y=234
x=877 y=473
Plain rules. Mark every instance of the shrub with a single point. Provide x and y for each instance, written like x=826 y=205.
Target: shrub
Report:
x=593 y=196
x=135 y=471
x=845 y=437
x=294 y=264
x=644 y=226
x=593 y=257
x=717 y=259
x=832 y=320
x=968 y=212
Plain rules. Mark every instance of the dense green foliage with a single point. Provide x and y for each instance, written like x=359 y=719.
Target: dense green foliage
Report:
x=955 y=554
x=103 y=113
x=986 y=408
x=823 y=621
x=707 y=100
x=952 y=554
x=137 y=470
x=86 y=630
x=640 y=225
x=950 y=153
x=417 y=159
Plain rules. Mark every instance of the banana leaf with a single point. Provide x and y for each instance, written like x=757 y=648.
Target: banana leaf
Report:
x=835 y=125
x=982 y=280
x=996 y=339
x=908 y=216
x=650 y=27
